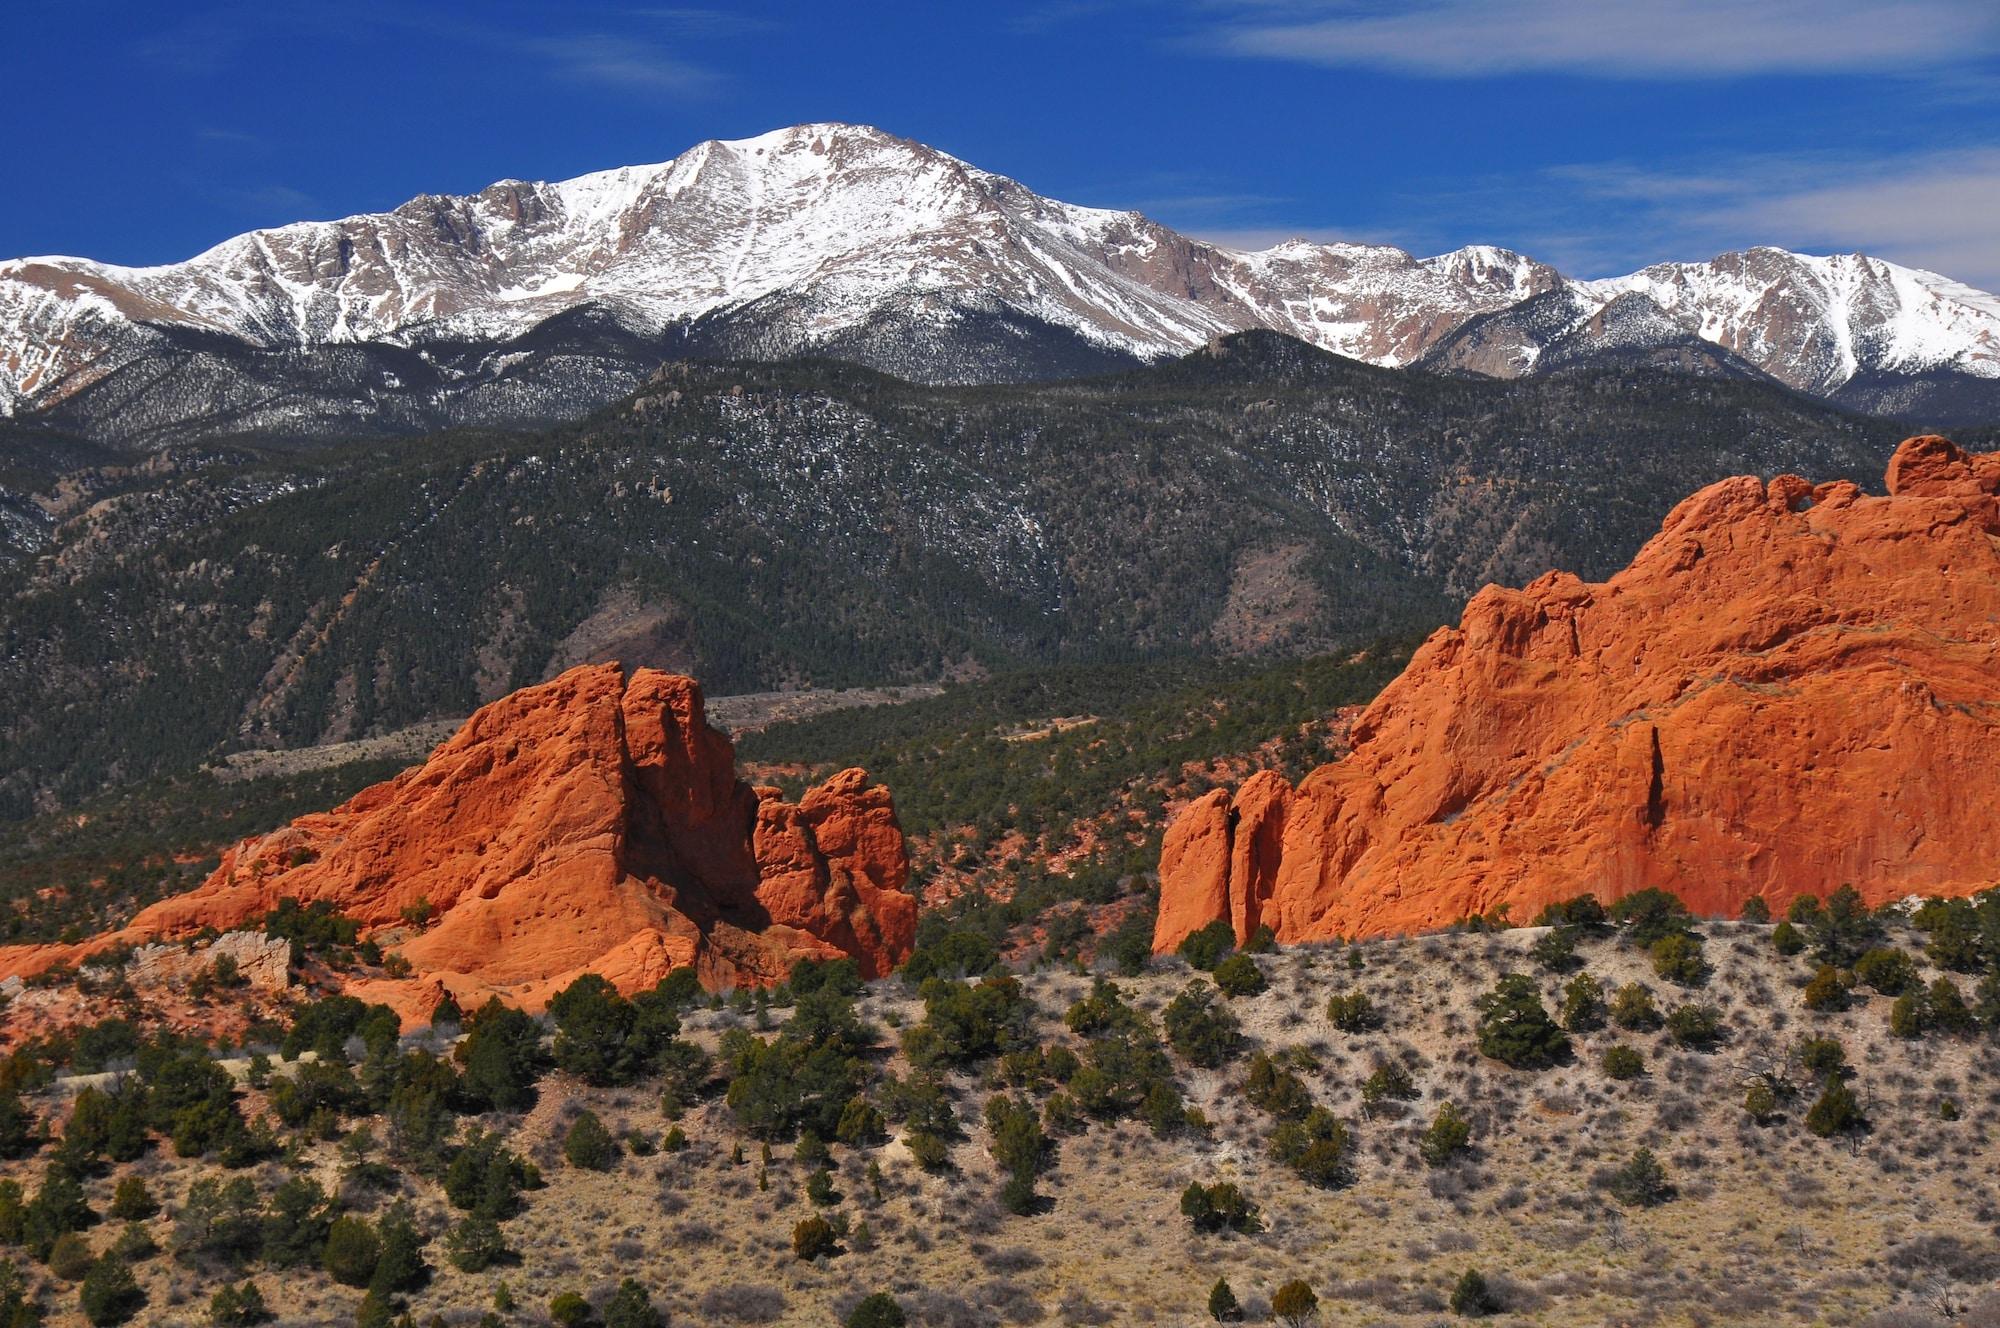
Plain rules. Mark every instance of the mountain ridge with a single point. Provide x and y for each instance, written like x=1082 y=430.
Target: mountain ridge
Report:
x=530 y=301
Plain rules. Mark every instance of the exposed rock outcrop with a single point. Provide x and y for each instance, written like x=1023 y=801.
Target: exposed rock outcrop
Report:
x=1791 y=688
x=584 y=825
x=262 y=963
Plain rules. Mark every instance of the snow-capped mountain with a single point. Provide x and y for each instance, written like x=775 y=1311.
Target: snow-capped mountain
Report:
x=530 y=300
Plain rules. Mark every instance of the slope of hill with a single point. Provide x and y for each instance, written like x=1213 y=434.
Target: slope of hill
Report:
x=765 y=526
x=1710 y=1150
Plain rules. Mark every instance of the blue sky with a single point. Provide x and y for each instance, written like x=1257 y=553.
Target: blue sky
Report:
x=1597 y=134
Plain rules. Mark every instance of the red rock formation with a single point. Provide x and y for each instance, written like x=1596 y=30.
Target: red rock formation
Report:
x=585 y=825
x=1792 y=687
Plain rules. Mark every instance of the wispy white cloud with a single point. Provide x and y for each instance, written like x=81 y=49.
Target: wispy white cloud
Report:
x=1932 y=210
x=623 y=64
x=1616 y=38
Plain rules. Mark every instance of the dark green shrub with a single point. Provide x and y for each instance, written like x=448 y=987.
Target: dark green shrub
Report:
x=589 y=1145
x=1787 y=939
x=877 y=1310
x=1695 y=1026
x=1222 y=1305
x=1352 y=1012
x=1642 y=1182
x=1827 y=991
x=237 y=1306
x=1273 y=1088
x=570 y=1310
x=475 y=1244
x=400 y=1266
x=1889 y=971
x=1632 y=1009
x=1822 y=1056
x=1584 y=914
x=70 y=1257
x=352 y=1250
x=110 y=1294
x=1949 y=1013
x=1649 y=916
x=1836 y=1111
x=1238 y=975
x=1218 y=1207
x=486 y=1178
x=1205 y=948
x=1203 y=1032
x=501 y=1054
x=1515 y=1029
x=1471 y=1298
x=1556 y=950
x=131 y=1201
x=1755 y=909
x=1582 y=1008
x=1677 y=959
x=1317 y=1147
x=965 y=1023
x=631 y=1307
x=1388 y=1082
x=1448 y=1137
x=295 y=1228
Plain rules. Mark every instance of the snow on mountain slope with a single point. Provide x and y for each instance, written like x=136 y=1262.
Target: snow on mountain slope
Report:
x=850 y=241
x=1816 y=323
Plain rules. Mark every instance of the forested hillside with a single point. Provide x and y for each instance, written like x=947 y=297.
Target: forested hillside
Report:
x=812 y=523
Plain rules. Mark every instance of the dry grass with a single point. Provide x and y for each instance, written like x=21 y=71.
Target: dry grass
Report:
x=1771 y=1226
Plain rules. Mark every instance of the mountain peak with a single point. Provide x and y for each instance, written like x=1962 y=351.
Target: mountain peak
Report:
x=845 y=239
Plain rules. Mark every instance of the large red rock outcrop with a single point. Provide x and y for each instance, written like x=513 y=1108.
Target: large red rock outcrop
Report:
x=1791 y=688
x=585 y=825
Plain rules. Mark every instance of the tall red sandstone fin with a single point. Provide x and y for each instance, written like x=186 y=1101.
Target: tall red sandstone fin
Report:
x=1194 y=870
x=581 y=826
x=1791 y=686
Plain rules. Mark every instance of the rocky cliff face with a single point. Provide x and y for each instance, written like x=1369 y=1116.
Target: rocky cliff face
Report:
x=1792 y=687
x=585 y=825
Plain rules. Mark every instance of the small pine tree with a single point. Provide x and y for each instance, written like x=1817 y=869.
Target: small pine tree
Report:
x=1294 y=1304
x=1472 y=1298
x=588 y=1145
x=815 y=1238
x=1222 y=1306
x=1582 y=1008
x=1755 y=910
x=132 y=1201
x=110 y=1294
x=1623 y=1062
x=1515 y=1029
x=352 y=1250
x=1632 y=1008
x=1787 y=939
x=1238 y=975
x=1836 y=1111
x=237 y=1306
x=631 y=1307
x=1448 y=1136
x=1641 y=1182
x=877 y=1310
x=570 y=1310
